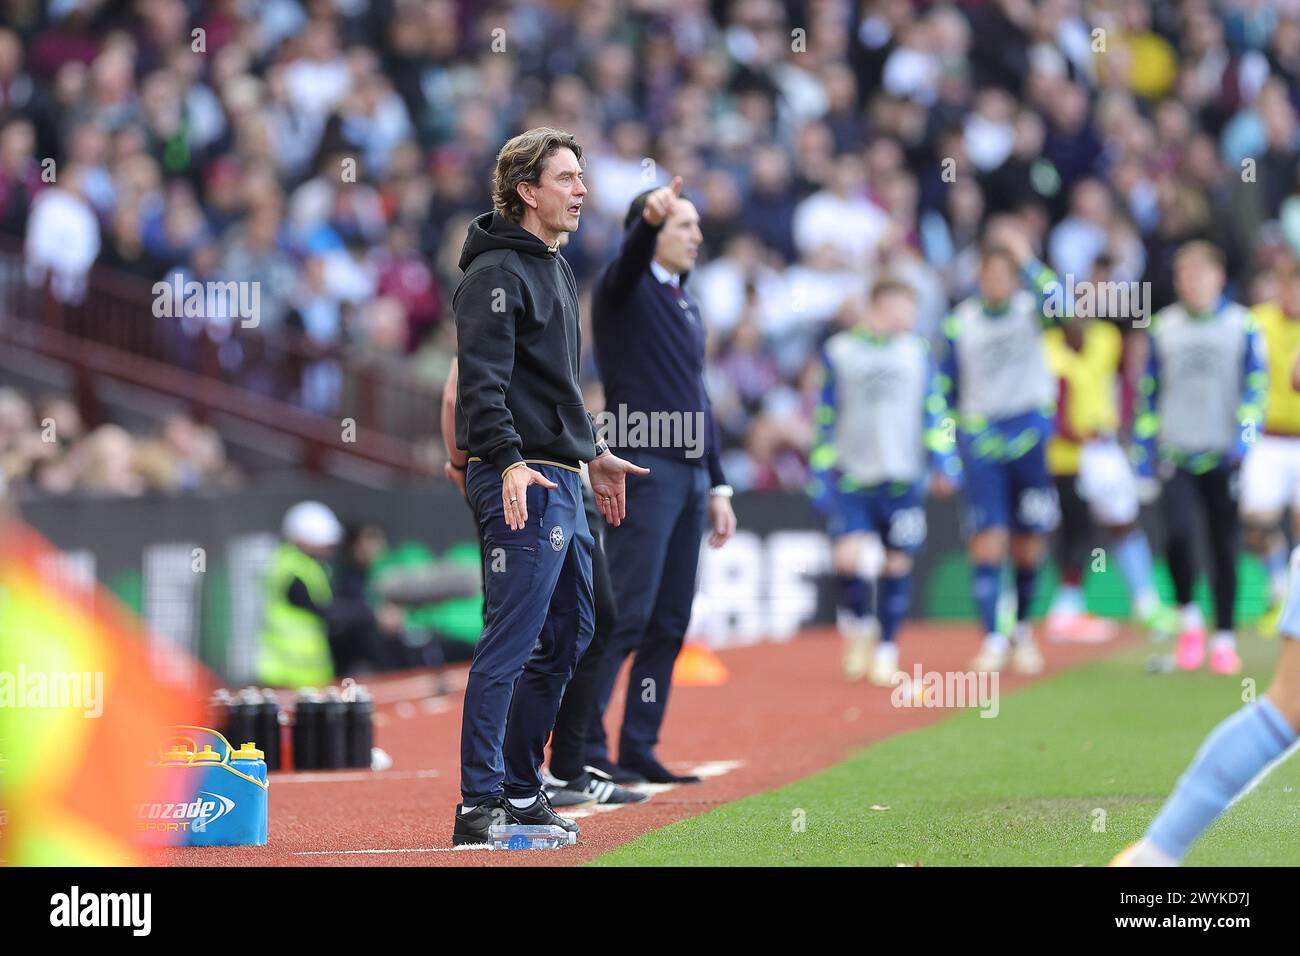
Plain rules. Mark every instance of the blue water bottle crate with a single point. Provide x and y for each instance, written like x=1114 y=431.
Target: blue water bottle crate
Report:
x=220 y=793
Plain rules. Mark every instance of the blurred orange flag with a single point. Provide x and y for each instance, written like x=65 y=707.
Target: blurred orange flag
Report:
x=698 y=666
x=82 y=713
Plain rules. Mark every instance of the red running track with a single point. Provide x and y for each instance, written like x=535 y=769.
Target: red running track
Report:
x=784 y=713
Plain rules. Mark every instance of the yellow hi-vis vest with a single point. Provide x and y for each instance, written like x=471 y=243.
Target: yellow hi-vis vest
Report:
x=294 y=648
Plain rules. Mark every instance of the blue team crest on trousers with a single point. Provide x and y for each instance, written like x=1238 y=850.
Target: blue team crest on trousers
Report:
x=557 y=538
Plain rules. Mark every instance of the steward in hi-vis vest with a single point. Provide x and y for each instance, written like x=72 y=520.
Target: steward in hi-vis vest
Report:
x=294 y=648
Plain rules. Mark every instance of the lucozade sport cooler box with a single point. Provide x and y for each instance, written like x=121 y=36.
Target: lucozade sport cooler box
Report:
x=224 y=793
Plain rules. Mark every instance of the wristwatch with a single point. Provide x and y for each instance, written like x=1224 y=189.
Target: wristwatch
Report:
x=601 y=448
x=721 y=491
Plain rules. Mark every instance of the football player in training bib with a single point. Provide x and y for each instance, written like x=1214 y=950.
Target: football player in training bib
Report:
x=880 y=431
x=1200 y=406
x=995 y=377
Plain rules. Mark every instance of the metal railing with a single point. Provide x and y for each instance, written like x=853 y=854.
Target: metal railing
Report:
x=328 y=400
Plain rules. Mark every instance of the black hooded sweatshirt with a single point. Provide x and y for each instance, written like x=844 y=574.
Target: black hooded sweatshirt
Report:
x=518 y=343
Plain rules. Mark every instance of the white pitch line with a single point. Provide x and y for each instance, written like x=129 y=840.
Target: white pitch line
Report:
x=653 y=789
x=415 y=849
x=716 y=768
x=356 y=777
x=711 y=768
x=578 y=812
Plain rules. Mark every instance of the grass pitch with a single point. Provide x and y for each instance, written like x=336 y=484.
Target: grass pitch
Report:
x=1071 y=770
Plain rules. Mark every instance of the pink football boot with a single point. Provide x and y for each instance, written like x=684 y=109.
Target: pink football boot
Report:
x=1224 y=658
x=1191 y=649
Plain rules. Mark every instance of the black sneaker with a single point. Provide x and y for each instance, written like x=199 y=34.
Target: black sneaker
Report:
x=620 y=775
x=540 y=813
x=561 y=793
x=473 y=827
x=593 y=785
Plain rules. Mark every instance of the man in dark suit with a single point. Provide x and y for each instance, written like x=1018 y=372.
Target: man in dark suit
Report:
x=650 y=342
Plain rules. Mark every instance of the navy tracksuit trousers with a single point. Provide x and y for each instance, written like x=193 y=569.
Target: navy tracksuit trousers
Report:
x=538 y=620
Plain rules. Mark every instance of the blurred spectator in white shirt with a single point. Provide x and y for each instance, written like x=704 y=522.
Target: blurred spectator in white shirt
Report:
x=62 y=238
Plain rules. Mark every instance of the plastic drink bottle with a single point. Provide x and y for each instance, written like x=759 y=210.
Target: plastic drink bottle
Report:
x=333 y=738
x=268 y=728
x=248 y=759
x=360 y=720
x=516 y=836
x=306 y=731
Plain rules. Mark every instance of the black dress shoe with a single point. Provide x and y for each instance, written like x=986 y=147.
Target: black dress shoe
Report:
x=540 y=813
x=473 y=827
x=620 y=775
x=655 y=772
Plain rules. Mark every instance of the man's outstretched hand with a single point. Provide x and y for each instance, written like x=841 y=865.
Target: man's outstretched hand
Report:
x=608 y=475
x=659 y=204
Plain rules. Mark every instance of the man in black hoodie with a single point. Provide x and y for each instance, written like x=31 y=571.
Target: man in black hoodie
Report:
x=520 y=415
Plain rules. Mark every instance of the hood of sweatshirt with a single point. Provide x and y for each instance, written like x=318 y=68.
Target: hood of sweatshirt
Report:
x=494 y=231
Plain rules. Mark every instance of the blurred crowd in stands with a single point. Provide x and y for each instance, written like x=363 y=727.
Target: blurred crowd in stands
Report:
x=334 y=150
x=45 y=449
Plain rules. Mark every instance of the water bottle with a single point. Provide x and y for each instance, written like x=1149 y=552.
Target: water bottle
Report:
x=178 y=755
x=285 y=735
x=268 y=728
x=243 y=714
x=306 y=731
x=236 y=722
x=219 y=710
x=360 y=725
x=517 y=836
x=249 y=760
x=206 y=755
x=333 y=738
